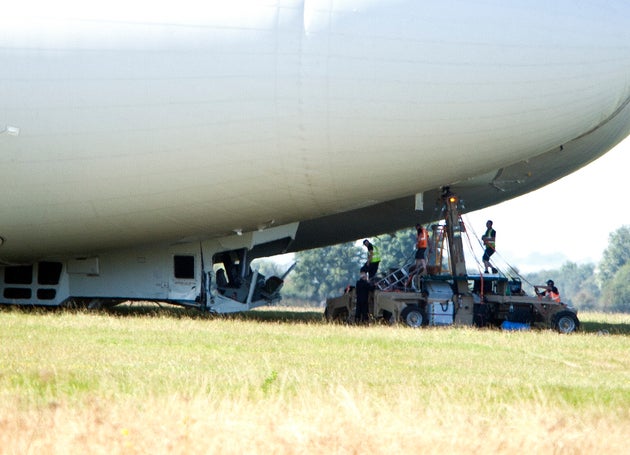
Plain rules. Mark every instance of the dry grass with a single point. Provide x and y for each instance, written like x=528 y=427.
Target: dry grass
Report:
x=164 y=382
x=341 y=422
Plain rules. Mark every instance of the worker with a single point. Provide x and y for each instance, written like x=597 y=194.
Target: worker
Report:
x=550 y=291
x=489 y=240
x=363 y=288
x=373 y=259
x=422 y=242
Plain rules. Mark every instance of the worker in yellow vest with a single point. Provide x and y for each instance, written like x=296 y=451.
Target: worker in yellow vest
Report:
x=373 y=259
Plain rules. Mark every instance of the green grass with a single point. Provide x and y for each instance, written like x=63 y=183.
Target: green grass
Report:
x=140 y=359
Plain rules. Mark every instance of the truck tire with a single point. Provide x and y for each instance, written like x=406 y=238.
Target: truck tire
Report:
x=566 y=322
x=413 y=317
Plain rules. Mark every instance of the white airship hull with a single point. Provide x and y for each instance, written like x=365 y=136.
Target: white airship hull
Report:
x=160 y=126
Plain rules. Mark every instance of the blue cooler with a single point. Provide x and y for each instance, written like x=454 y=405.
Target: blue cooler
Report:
x=507 y=325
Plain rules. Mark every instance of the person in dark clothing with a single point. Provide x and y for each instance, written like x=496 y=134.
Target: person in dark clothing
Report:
x=489 y=241
x=363 y=288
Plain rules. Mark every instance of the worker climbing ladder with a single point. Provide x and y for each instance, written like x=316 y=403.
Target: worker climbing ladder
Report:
x=403 y=278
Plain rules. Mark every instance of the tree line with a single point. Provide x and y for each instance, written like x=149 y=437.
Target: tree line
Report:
x=596 y=287
x=325 y=272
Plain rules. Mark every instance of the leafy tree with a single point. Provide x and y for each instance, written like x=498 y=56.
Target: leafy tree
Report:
x=325 y=272
x=579 y=284
x=542 y=276
x=616 y=255
x=268 y=267
x=396 y=249
x=616 y=295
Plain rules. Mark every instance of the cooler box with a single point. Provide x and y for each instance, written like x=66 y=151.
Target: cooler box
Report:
x=514 y=326
x=441 y=313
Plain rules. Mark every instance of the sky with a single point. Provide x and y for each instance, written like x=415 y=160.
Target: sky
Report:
x=546 y=228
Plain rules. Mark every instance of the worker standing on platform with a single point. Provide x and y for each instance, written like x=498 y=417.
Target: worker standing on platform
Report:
x=489 y=240
x=373 y=259
x=422 y=242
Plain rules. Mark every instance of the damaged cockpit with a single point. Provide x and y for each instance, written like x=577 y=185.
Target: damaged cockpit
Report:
x=236 y=282
x=214 y=275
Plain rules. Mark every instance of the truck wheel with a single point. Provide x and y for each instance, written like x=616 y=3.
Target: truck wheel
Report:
x=413 y=317
x=566 y=322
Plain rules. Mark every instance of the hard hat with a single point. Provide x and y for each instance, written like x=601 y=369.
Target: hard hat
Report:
x=550 y=282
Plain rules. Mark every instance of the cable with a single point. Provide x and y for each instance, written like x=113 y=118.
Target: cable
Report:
x=472 y=251
x=512 y=269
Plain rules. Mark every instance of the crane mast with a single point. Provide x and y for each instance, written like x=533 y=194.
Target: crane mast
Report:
x=454 y=229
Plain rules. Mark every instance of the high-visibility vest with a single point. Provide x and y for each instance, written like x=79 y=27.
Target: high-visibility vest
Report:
x=376 y=257
x=488 y=236
x=554 y=296
x=423 y=239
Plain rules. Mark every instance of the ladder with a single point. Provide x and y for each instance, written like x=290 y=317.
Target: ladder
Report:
x=397 y=279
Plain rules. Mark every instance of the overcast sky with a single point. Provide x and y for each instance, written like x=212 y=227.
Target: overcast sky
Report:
x=557 y=223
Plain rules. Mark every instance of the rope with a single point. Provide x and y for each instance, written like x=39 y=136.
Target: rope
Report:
x=512 y=269
x=472 y=251
x=521 y=277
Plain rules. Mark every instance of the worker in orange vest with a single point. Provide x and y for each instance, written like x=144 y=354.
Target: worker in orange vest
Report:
x=550 y=291
x=422 y=242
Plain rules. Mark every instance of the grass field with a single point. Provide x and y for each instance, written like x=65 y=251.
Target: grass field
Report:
x=167 y=380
